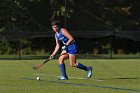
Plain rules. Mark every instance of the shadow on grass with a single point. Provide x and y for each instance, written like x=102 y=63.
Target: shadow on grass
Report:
x=120 y=78
x=88 y=85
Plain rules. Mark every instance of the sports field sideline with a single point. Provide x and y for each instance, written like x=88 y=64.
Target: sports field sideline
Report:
x=109 y=76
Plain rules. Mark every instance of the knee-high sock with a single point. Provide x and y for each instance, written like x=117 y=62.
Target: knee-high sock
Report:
x=63 y=70
x=81 y=66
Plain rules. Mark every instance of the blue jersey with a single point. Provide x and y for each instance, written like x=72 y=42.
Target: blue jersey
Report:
x=72 y=48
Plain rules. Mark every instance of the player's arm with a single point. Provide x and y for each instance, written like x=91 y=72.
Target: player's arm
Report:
x=56 y=48
x=68 y=35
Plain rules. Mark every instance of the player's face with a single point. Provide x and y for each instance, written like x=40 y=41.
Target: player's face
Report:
x=55 y=28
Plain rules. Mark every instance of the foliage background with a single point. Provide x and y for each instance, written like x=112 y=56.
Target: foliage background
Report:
x=77 y=15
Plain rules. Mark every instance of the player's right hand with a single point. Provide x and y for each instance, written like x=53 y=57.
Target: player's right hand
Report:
x=51 y=57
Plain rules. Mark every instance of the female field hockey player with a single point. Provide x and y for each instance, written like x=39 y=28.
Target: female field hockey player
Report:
x=69 y=50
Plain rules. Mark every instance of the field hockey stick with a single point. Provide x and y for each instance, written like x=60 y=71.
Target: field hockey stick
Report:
x=40 y=65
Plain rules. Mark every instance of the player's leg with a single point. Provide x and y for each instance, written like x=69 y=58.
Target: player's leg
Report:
x=73 y=63
x=62 y=65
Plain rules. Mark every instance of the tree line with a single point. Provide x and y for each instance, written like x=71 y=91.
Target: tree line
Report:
x=76 y=15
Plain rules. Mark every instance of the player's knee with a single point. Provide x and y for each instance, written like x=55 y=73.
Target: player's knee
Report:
x=73 y=65
x=61 y=59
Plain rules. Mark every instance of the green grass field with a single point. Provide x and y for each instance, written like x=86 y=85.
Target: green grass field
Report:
x=110 y=76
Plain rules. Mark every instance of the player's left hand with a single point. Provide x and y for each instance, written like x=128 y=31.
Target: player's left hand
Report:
x=64 y=47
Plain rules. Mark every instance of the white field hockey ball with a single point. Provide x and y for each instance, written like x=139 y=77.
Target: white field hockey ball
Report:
x=38 y=78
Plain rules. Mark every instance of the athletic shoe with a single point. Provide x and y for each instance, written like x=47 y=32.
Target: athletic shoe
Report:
x=89 y=72
x=62 y=78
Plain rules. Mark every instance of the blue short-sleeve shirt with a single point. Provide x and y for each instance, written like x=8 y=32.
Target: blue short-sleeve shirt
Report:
x=72 y=48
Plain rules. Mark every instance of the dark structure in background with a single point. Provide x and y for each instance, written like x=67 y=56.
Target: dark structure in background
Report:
x=90 y=42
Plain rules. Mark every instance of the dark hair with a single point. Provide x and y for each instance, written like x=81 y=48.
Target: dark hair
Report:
x=55 y=22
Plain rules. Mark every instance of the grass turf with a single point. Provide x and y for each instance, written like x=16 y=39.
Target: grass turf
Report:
x=109 y=76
